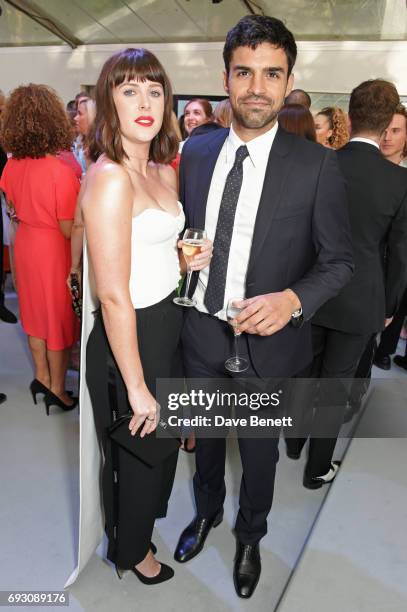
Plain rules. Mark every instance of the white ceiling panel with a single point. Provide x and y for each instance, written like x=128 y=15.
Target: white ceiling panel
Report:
x=118 y=19
x=76 y=19
x=156 y=21
x=17 y=29
x=342 y=19
x=168 y=19
x=214 y=19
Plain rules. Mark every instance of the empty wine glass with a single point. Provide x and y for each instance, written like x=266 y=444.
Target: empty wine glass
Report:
x=235 y=363
x=192 y=241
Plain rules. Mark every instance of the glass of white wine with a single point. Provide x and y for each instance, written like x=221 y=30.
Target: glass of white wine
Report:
x=192 y=241
x=235 y=363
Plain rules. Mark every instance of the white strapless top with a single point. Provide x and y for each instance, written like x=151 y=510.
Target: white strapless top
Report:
x=155 y=270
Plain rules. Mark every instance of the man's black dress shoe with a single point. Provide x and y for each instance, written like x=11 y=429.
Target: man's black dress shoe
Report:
x=247 y=568
x=3 y=397
x=6 y=315
x=384 y=363
x=192 y=539
x=400 y=361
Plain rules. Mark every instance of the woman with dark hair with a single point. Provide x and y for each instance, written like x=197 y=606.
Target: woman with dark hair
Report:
x=297 y=119
x=41 y=191
x=132 y=222
x=332 y=128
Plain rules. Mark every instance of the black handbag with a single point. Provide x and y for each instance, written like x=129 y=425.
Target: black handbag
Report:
x=152 y=449
x=76 y=295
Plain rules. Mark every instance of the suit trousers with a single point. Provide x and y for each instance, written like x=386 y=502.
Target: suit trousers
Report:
x=336 y=358
x=134 y=494
x=390 y=336
x=207 y=342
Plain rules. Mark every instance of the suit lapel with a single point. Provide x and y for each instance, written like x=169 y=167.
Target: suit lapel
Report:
x=203 y=183
x=276 y=173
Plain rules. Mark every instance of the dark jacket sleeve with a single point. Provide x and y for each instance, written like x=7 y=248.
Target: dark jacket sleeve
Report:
x=396 y=260
x=332 y=240
x=181 y=177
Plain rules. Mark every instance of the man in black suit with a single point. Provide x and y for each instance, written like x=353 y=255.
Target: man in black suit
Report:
x=275 y=206
x=342 y=328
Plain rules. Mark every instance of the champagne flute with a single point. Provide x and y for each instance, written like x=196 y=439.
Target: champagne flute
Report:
x=192 y=241
x=235 y=363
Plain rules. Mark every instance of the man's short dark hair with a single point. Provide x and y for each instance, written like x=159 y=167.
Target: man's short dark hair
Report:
x=372 y=105
x=253 y=30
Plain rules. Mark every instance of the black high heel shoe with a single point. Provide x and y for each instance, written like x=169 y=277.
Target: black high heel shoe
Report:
x=37 y=387
x=53 y=400
x=120 y=571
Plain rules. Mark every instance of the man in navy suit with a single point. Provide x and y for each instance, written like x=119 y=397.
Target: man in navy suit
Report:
x=274 y=205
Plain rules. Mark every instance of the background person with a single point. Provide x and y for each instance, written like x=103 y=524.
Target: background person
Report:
x=42 y=190
x=331 y=125
x=393 y=143
x=223 y=113
x=85 y=115
x=298 y=96
x=84 y=118
x=343 y=327
x=297 y=119
x=393 y=146
x=5 y=314
x=197 y=112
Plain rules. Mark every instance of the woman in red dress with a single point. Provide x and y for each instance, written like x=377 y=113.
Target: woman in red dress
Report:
x=42 y=190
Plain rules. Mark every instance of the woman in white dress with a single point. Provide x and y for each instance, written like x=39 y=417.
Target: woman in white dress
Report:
x=132 y=222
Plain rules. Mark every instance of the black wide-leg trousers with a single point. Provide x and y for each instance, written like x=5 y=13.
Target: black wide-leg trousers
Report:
x=134 y=494
x=207 y=342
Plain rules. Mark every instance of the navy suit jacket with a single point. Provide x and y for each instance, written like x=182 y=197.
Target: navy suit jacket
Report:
x=301 y=236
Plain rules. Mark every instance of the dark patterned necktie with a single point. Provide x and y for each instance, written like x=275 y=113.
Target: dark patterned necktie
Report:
x=215 y=290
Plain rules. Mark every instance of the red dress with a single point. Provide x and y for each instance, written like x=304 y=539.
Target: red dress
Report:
x=42 y=192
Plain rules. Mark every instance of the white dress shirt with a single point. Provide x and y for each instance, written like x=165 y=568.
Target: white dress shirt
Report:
x=254 y=169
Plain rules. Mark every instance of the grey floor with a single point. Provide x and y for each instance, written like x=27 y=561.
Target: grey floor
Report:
x=39 y=515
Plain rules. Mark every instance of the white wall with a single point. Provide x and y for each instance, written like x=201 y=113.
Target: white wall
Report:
x=196 y=68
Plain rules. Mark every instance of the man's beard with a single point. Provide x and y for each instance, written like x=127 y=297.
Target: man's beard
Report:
x=255 y=118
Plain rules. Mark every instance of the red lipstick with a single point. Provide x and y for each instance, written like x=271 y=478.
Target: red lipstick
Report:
x=144 y=121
